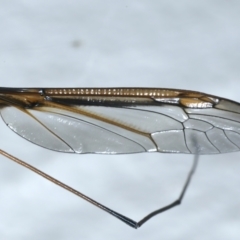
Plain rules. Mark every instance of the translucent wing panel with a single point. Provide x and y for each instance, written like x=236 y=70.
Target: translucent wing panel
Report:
x=215 y=113
x=218 y=138
x=144 y=121
x=171 y=141
x=217 y=127
x=233 y=137
x=174 y=112
x=222 y=123
x=86 y=137
x=197 y=142
x=27 y=127
x=143 y=140
x=197 y=125
x=229 y=106
x=66 y=133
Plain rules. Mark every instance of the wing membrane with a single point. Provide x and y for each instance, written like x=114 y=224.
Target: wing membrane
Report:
x=65 y=133
x=85 y=136
x=110 y=129
x=29 y=128
x=138 y=119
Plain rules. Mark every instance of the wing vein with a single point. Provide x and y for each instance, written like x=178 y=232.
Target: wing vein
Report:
x=27 y=112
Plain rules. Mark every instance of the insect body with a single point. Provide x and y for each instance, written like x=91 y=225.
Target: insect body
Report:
x=122 y=120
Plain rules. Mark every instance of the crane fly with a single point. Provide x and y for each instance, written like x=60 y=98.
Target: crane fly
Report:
x=121 y=121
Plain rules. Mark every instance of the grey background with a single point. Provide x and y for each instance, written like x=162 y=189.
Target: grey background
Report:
x=169 y=44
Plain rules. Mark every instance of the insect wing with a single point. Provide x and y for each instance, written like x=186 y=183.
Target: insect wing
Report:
x=165 y=128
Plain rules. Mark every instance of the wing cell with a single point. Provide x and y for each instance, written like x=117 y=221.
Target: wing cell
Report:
x=171 y=141
x=138 y=119
x=197 y=125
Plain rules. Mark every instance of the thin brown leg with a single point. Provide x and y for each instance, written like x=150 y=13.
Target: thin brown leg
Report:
x=126 y=220
x=179 y=200
x=121 y=217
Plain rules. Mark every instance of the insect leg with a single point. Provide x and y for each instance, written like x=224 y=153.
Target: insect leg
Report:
x=121 y=217
x=176 y=202
x=126 y=220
